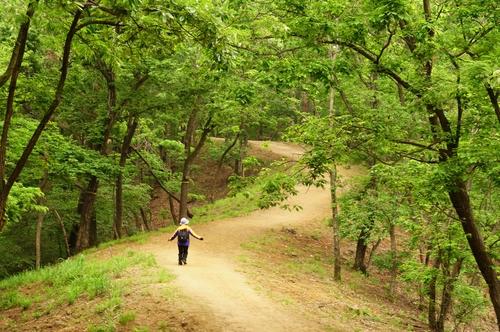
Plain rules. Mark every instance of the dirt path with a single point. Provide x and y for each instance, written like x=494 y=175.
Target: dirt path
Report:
x=211 y=277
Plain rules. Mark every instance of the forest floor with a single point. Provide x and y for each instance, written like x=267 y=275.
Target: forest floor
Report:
x=264 y=271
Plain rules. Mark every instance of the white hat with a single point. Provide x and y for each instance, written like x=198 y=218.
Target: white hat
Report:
x=184 y=221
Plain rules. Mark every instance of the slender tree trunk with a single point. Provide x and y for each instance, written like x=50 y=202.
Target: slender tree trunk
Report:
x=421 y=291
x=184 y=192
x=145 y=219
x=335 y=224
x=446 y=295
x=372 y=251
x=226 y=151
x=333 y=182
x=38 y=240
x=19 y=46
x=65 y=235
x=431 y=291
x=12 y=72
x=172 y=209
x=39 y=221
x=186 y=167
x=5 y=187
x=190 y=157
x=138 y=223
x=131 y=127
x=168 y=192
x=394 y=260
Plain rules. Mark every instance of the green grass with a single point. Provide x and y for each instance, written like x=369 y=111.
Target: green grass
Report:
x=68 y=281
x=229 y=207
x=126 y=317
x=140 y=238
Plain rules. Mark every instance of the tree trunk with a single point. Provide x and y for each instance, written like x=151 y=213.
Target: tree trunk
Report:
x=87 y=233
x=118 y=222
x=372 y=251
x=226 y=151
x=394 y=260
x=12 y=72
x=446 y=298
x=145 y=219
x=39 y=220
x=494 y=100
x=5 y=187
x=184 y=192
x=431 y=291
x=38 y=240
x=172 y=209
x=190 y=157
x=65 y=235
x=85 y=209
x=333 y=182
x=335 y=223
x=19 y=46
x=361 y=247
x=460 y=200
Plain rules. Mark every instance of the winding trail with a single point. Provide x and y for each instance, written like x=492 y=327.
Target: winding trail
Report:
x=211 y=277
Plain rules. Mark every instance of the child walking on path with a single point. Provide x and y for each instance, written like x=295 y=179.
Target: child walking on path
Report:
x=182 y=233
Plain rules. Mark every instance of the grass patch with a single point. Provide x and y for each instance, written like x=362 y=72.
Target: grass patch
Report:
x=69 y=280
x=229 y=207
x=102 y=328
x=140 y=238
x=126 y=317
x=110 y=305
x=165 y=276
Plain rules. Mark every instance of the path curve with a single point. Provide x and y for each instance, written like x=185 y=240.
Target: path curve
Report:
x=211 y=277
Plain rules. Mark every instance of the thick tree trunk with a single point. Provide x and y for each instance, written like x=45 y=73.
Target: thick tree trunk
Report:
x=460 y=200
x=85 y=209
x=361 y=247
x=494 y=100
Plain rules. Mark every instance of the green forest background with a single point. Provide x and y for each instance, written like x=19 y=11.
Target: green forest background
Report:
x=105 y=103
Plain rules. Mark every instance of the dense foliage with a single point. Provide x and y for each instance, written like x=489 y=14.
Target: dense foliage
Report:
x=104 y=101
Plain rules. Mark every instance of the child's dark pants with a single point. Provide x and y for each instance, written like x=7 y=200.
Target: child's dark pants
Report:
x=183 y=253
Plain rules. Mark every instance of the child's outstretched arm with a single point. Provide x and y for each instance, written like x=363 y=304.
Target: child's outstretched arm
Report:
x=173 y=235
x=195 y=235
